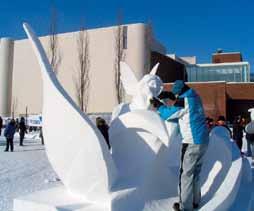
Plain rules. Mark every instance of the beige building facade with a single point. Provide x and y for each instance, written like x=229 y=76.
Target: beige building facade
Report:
x=20 y=78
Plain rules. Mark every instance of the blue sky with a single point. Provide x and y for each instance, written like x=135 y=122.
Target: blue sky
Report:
x=185 y=27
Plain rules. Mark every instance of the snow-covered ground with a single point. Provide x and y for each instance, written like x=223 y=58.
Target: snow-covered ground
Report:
x=23 y=171
x=27 y=170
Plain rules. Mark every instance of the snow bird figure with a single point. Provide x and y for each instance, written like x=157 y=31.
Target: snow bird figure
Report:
x=141 y=90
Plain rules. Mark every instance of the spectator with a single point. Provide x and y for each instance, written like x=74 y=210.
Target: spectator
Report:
x=222 y=122
x=22 y=130
x=189 y=112
x=238 y=132
x=1 y=125
x=9 y=134
x=209 y=123
x=41 y=136
x=17 y=124
x=103 y=127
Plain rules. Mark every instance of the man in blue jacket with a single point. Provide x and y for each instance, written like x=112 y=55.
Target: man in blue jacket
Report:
x=189 y=112
x=9 y=134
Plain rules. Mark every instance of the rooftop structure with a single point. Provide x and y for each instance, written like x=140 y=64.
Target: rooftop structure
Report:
x=229 y=72
x=223 y=57
x=227 y=67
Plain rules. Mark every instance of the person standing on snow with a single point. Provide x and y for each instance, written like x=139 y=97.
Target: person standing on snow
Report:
x=189 y=112
x=22 y=130
x=238 y=132
x=9 y=134
x=103 y=128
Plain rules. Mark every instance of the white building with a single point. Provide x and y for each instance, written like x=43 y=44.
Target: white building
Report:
x=20 y=80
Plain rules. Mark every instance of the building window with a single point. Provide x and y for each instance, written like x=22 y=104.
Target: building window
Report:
x=125 y=33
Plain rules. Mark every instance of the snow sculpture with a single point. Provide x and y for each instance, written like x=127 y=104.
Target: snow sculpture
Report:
x=124 y=135
x=87 y=170
x=141 y=91
x=221 y=174
x=140 y=174
x=250 y=126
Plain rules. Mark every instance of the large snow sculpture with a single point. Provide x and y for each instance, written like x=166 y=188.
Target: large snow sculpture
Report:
x=88 y=171
x=141 y=173
x=75 y=147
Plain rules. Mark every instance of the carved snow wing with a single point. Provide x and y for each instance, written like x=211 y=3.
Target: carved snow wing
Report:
x=75 y=147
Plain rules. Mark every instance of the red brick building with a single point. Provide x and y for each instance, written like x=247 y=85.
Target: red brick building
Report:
x=227 y=57
x=221 y=98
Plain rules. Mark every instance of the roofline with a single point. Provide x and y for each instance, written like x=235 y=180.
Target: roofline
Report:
x=87 y=29
x=211 y=82
x=221 y=64
x=200 y=82
x=240 y=82
x=236 y=52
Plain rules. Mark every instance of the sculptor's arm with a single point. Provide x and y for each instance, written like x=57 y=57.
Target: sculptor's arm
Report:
x=172 y=112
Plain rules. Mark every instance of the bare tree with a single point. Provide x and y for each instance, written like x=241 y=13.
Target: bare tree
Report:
x=14 y=106
x=53 y=45
x=119 y=56
x=148 y=41
x=82 y=81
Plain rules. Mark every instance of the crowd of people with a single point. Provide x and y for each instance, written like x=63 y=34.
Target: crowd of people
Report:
x=236 y=133
x=12 y=126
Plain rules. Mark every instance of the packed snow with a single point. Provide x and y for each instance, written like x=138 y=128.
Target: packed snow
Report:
x=24 y=171
x=27 y=170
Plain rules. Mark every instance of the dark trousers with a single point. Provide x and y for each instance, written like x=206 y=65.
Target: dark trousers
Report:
x=0 y=131
x=239 y=143
x=21 y=135
x=42 y=140
x=9 y=143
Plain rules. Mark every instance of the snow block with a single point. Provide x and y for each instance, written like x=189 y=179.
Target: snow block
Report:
x=54 y=199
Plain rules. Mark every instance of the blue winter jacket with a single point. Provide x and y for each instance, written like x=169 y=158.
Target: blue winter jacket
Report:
x=10 y=131
x=191 y=118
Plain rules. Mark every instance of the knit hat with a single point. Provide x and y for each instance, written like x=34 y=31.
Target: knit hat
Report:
x=178 y=87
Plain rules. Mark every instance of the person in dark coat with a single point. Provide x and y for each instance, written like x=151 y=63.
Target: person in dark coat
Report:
x=22 y=130
x=1 y=125
x=41 y=136
x=103 y=127
x=9 y=134
x=238 y=132
x=209 y=123
x=222 y=122
x=17 y=124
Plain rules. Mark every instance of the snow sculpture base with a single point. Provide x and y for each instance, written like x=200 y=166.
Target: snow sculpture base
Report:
x=54 y=199
x=59 y=199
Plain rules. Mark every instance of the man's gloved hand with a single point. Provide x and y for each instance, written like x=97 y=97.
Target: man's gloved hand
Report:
x=155 y=102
